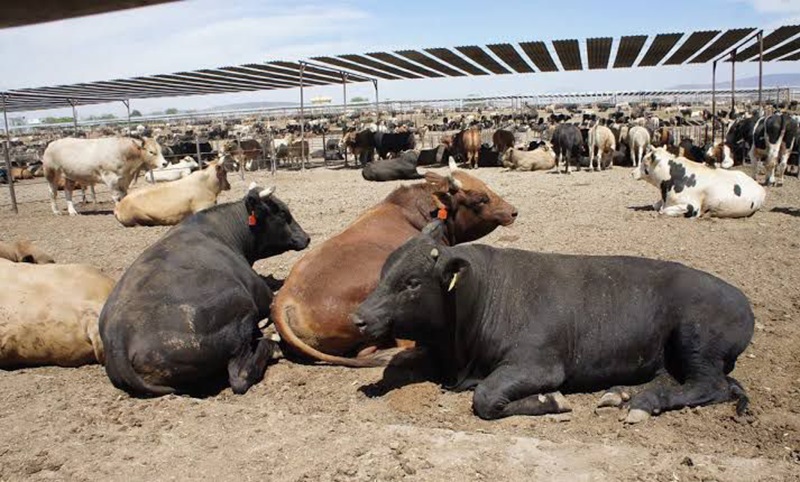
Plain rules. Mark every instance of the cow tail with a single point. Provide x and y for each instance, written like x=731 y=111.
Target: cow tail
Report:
x=120 y=370
x=738 y=393
x=282 y=318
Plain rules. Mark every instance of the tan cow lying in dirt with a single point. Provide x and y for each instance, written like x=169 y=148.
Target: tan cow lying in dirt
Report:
x=24 y=252
x=542 y=158
x=169 y=203
x=49 y=313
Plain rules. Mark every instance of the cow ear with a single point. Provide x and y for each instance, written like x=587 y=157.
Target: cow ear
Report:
x=450 y=271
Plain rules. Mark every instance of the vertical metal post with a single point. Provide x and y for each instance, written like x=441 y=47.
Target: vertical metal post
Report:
x=74 y=116
x=302 y=121
x=127 y=103
x=241 y=164
x=6 y=143
x=760 y=68
x=377 y=101
x=344 y=113
x=733 y=81
x=713 y=99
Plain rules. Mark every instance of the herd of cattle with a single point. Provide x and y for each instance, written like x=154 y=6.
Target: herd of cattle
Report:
x=395 y=281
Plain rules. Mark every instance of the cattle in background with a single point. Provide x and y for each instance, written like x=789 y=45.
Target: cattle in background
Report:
x=465 y=146
x=50 y=314
x=169 y=203
x=601 y=147
x=541 y=159
x=433 y=157
x=364 y=144
x=402 y=167
x=567 y=144
x=312 y=310
x=488 y=157
x=174 y=171
x=24 y=252
x=162 y=338
x=519 y=348
x=246 y=152
x=638 y=140
x=394 y=143
x=692 y=189
x=181 y=149
x=502 y=140
x=113 y=160
x=663 y=137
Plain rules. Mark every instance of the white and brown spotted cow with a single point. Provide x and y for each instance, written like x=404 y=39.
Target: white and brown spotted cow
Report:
x=692 y=189
x=49 y=313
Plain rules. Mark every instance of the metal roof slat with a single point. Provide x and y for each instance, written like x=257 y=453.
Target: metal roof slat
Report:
x=449 y=57
x=628 y=50
x=539 y=55
x=772 y=39
x=598 y=51
x=480 y=57
x=290 y=70
x=374 y=64
x=429 y=62
x=725 y=42
x=405 y=64
x=569 y=53
x=782 y=50
x=509 y=55
x=662 y=44
x=695 y=42
x=347 y=65
x=274 y=79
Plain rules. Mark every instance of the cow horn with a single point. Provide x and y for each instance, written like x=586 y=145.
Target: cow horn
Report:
x=252 y=186
x=454 y=183
x=266 y=192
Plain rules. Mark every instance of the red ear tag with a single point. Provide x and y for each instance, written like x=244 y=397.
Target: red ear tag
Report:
x=251 y=220
x=442 y=214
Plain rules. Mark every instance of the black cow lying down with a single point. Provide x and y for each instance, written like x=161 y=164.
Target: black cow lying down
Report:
x=401 y=167
x=520 y=326
x=163 y=336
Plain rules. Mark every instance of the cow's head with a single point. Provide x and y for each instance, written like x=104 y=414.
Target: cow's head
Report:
x=28 y=253
x=475 y=210
x=150 y=152
x=410 y=299
x=217 y=169
x=272 y=224
x=651 y=166
x=721 y=154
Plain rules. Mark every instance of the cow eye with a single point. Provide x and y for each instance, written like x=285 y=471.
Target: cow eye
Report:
x=412 y=283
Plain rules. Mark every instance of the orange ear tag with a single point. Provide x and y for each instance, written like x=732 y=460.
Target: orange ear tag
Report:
x=442 y=214
x=251 y=220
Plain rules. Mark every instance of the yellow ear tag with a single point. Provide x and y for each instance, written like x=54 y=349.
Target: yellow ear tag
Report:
x=453 y=282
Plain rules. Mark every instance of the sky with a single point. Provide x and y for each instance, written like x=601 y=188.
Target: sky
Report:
x=198 y=34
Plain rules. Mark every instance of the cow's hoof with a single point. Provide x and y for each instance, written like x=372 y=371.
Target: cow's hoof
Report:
x=73 y=213
x=612 y=399
x=636 y=415
x=561 y=402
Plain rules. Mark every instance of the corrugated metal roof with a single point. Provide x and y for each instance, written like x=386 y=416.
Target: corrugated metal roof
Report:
x=783 y=50
x=691 y=46
x=378 y=66
x=569 y=53
x=511 y=57
x=477 y=55
x=25 y=12
x=598 y=51
x=628 y=50
x=434 y=64
x=724 y=43
x=777 y=36
x=405 y=64
x=660 y=47
x=351 y=66
x=456 y=61
x=539 y=55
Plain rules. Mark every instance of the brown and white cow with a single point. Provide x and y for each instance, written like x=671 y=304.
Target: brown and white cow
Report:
x=49 y=313
x=312 y=310
x=24 y=252
x=601 y=147
x=169 y=203
x=112 y=160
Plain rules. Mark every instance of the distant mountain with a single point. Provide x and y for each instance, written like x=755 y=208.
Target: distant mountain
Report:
x=772 y=80
x=251 y=105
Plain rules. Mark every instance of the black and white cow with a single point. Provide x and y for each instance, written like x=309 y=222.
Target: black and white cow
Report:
x=518 y=327
x=162 y=336
x=773 y=141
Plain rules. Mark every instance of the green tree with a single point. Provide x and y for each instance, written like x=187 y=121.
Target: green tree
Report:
x=136 y=113
x=171 y=111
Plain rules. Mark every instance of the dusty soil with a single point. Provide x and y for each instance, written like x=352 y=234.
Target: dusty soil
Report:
x=306 y=422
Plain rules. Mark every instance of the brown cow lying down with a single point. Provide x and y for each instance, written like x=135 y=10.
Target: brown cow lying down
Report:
x=49 y=313
x=312 y=310
x=24 y=252
x=170 y=202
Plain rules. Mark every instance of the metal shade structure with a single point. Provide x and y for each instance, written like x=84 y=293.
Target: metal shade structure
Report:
x=17 y=13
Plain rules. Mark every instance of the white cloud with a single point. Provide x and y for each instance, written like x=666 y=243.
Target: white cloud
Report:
x=774 y=6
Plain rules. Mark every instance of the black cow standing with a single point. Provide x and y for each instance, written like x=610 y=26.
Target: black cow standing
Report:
x=184 y=317
x=519 y=326
x=568 y=144
x=364 y=144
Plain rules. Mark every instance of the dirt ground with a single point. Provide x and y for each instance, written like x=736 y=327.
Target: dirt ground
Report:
x=307 y=422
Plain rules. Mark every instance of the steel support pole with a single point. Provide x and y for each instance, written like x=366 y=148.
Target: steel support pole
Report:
x=6 y=143
x=713 y=100
x=239 y=146
x=377 y=101
x=733 y=81
x=74 y=117
x=127 y=103
x=344 y=113
x=302 y=121
x=760 y=69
